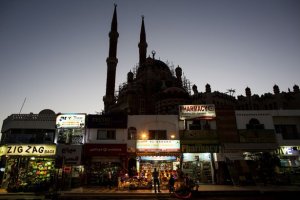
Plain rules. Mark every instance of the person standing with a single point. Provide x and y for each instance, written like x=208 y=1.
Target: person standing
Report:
x=109 y=179
x=186 y=181
x=171 y=183
x=155 y=176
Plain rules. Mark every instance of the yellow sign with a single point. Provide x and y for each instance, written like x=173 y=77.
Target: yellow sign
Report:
x=30 y=150
x=2 y=150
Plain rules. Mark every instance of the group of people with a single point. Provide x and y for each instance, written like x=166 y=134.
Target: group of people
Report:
x=171 y=182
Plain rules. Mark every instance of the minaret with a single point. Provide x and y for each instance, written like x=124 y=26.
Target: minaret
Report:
x=142 y=44
x=112 y=61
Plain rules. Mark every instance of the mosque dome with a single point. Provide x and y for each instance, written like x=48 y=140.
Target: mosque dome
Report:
x=46 y=112
x=154 y=69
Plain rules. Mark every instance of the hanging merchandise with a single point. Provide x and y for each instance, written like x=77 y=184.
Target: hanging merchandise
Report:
x=28 y=174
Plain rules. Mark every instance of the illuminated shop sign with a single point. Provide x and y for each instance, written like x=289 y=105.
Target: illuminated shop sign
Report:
x=288 y=150
x=30 y=150
x=2 y=150
x=105 y=149
x=170 y=158
x=70 y=121
x=206 y=111
x=158 y=145
x=196 y=157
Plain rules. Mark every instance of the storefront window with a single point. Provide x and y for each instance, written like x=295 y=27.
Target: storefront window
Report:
x=166 y=165
x=28 y=174
x=97 y=173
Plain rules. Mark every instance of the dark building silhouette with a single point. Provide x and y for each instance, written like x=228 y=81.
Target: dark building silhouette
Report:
x=227 y=148
x=154 y=88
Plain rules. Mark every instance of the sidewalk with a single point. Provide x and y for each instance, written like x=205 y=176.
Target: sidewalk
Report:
x=203 y=190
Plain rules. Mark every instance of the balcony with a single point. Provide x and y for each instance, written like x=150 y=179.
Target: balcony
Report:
x=257 y=136
x=201 y=136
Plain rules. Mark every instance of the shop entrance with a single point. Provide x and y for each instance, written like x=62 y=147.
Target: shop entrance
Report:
x=97 y=173
x=165 y=165
x=132 y=167
x=198 y=166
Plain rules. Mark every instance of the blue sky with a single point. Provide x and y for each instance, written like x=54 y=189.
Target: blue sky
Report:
x=53 y=52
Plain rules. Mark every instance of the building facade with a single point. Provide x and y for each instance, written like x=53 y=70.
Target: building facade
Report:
x=28 y=151
x=156 y=119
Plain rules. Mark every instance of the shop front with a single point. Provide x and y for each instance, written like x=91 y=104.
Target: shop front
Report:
x=69 y=166
x=251 y=163
x=198 y=166
x=164 y=155
x=233 y=168
x=289 y=163
x=29 y=168
x=198 y=160
x=104 y=160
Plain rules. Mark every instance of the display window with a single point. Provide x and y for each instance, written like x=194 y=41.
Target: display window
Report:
x=97 y=173
x=198 y=166
x=28 y=174
x=166 y=168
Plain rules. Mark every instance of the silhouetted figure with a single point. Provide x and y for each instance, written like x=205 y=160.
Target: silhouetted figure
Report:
x=109 y=179
x=171 y=183
x=155 y=176
x=186 y=180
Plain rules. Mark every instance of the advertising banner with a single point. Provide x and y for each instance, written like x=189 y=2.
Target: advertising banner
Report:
x=30 y=150
x=105 y=149
x=3 y=150
x=70 y=121
x=205 y=111
x=158 y=145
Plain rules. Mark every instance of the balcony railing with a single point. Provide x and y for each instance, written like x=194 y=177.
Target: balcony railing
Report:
x=198 y=134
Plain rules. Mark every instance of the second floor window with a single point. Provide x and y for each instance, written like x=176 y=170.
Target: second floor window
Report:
x=157 y=134
x=106 y=134
x=254 y=124
x=288 y=131
x=131 y=133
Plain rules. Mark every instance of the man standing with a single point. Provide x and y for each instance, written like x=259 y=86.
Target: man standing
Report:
x=109 y=179
x=171 y=183
x=155 y=176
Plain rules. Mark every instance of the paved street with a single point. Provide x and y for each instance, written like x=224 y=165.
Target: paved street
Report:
x=206 y=192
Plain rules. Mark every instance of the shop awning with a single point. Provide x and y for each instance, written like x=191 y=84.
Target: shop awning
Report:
x=158 y=154
x=250 y=146
x=193 y=142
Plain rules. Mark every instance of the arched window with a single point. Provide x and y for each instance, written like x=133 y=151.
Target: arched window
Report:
x=255 y=124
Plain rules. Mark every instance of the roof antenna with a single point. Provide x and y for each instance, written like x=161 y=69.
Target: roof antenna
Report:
x=153 y=53
x=22 y=105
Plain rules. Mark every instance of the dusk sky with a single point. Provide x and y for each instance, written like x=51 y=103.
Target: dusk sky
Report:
x=53 y=52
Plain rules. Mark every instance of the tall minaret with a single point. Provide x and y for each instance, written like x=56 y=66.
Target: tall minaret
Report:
x=112 y=61
x=143 y=44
